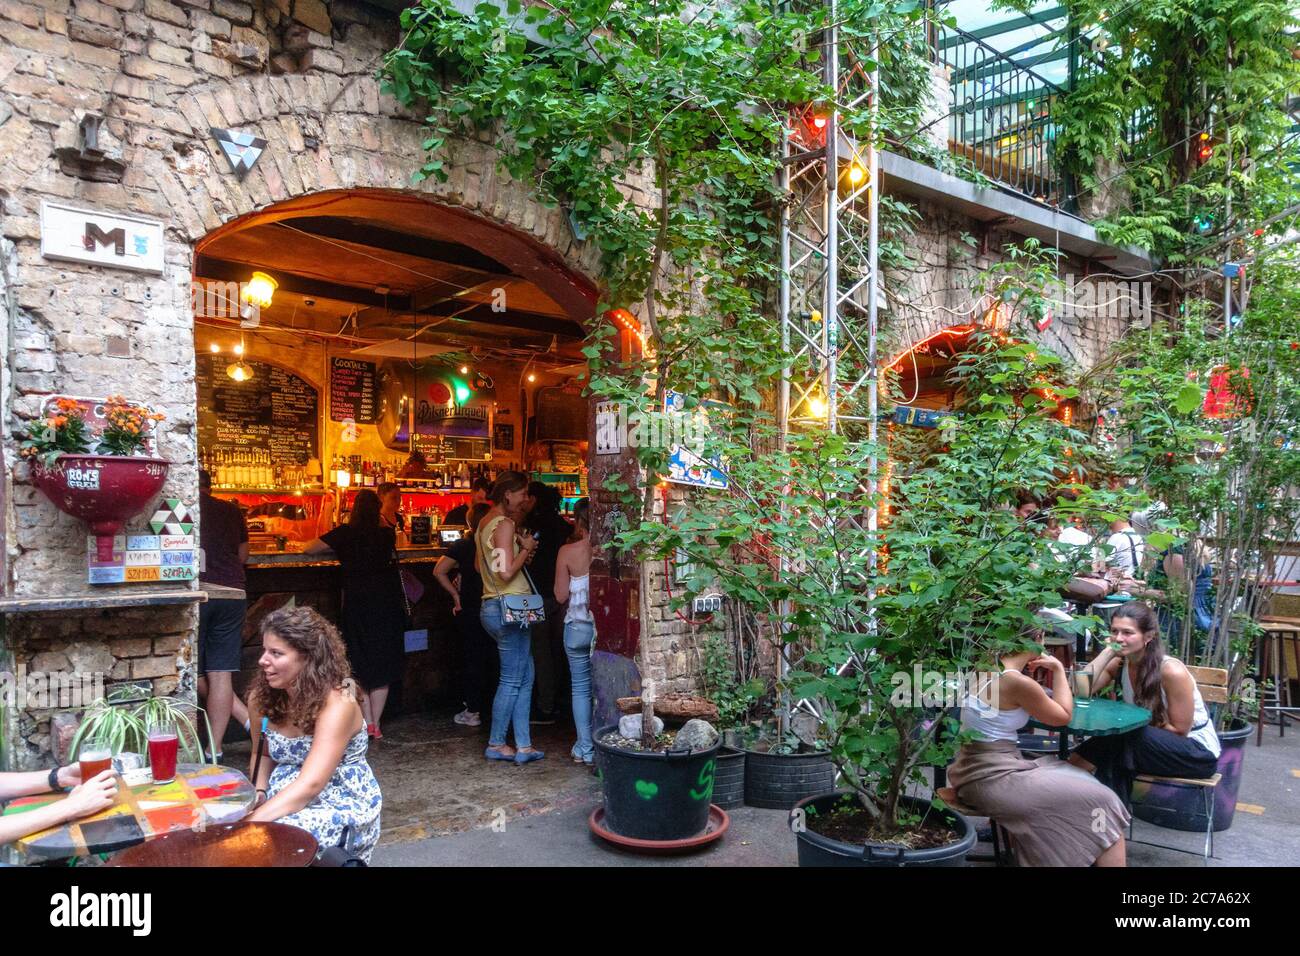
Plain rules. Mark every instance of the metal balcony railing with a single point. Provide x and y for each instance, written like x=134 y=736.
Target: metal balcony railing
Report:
x=1001 y=118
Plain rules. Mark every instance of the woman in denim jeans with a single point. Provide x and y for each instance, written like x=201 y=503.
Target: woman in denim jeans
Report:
x=501 y=555
x=573 y=585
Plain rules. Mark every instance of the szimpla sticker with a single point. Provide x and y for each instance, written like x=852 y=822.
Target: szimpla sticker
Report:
x=84 y=479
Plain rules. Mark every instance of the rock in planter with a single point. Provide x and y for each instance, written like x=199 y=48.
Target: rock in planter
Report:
x=629 y=727
x=696 y=735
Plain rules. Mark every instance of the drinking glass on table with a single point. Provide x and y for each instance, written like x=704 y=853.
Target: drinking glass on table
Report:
x=94 y=757
x=163 y=745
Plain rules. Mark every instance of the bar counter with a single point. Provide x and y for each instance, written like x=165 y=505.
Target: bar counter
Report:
x=276 y=577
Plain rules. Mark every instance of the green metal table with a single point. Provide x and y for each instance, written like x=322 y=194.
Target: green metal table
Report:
x=1097 y=717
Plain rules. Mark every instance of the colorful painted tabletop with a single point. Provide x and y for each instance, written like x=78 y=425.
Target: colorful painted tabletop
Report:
x=201 y=795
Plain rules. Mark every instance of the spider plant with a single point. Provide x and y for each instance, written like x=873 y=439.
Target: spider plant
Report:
x=122 y=720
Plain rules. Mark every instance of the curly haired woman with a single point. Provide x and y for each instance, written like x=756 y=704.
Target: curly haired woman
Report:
x=317 y=777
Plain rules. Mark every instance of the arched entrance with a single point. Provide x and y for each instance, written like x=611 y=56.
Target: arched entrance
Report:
x=394 y=323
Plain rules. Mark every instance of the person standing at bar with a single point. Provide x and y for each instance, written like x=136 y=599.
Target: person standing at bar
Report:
x=390 y=505
x=501 y=555
x=374 y=607
x=479 y=665
x=478 y=496
x=573 y=590
x=552 y=532
x=223 y=538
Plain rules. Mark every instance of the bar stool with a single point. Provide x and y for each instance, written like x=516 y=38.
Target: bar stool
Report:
x=1280 y=638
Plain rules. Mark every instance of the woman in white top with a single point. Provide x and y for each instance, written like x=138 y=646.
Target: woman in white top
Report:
x=573 y=585
x=1056 y=814
x=1180 y=741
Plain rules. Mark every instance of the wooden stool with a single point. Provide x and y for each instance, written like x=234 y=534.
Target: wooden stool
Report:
x=1281 y=639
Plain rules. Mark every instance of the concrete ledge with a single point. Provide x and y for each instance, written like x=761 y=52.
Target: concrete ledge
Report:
x=907 y=177
x=85 y=602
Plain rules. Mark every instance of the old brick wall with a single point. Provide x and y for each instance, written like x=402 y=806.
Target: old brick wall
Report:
x=300 y=74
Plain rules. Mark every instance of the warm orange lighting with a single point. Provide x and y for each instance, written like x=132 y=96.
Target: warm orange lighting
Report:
x=260 y=289
x=214 y=348
x=856 y=174
x=532 y=377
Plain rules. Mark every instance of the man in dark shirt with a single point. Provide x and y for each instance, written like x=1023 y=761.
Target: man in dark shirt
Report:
x=460 y=513
x=549 y=660
x=223 y=538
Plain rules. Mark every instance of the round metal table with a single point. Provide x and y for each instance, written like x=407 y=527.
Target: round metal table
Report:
x=201 y=796
x=1097 y=717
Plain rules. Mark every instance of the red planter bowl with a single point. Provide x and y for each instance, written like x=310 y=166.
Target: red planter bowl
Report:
x=101 y=490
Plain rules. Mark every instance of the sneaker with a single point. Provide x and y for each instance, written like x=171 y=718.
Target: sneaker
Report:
x=467 y=718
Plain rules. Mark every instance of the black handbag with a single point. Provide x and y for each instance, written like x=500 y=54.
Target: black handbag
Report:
x=341 y=855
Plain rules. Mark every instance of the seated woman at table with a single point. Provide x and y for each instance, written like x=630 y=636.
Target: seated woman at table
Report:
x=1180 y=741
x=1056 y=814
x=87 y=797
x=316 y=776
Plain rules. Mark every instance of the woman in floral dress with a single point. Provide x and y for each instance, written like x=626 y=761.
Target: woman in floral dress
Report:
x=316 y=776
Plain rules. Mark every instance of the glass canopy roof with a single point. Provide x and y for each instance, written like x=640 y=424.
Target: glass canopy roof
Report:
x=1034 y=41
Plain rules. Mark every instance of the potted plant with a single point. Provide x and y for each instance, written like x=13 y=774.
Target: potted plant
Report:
x=735 y=698
x=106 y=486
x=122 y=717
x=657 y=787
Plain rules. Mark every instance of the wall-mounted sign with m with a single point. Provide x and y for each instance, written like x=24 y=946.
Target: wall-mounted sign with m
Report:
x=101 y=238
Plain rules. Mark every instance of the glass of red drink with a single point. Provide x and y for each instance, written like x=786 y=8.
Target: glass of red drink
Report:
x=94 y=757
x=163 y=744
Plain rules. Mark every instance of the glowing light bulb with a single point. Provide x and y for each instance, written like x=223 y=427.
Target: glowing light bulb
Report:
x=817 y=405
x=239 y=348
x=260 y=289
x=214 y=348
x=464 y=370
x=856 y=174
x=532 y=377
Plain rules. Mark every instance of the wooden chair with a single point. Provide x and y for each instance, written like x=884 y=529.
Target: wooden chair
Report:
x=949 y=796
x=1213 y=685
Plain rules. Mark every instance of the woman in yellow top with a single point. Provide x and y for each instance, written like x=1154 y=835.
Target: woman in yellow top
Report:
x=501 y=554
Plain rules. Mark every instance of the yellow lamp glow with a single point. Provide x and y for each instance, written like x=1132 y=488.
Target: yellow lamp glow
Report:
x=214 y=348
x=240 y=371
x=260 y=289
x=856 y=174
x=817 y=406
x=342 y=478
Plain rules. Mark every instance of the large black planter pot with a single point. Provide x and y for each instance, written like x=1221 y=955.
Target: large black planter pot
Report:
x=1183 y=808
x=817 y=850
x=729 y=780
x=656 y=796
x=779 y=781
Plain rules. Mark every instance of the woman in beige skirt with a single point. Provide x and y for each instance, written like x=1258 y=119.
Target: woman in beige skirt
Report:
x=1056 y=814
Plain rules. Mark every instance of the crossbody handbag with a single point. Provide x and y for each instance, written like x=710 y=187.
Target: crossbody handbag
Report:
x=523 y=608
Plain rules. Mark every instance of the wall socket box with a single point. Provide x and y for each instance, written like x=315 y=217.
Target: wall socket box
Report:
x=707 y=603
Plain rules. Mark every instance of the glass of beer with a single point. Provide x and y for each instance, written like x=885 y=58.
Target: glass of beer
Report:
x=94 y=757
x=163 y=745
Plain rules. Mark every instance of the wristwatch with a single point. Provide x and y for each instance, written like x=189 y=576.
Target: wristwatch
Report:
x=54 y=781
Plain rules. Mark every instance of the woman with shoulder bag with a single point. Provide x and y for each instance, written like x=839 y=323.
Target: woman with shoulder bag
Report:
x=510 y=606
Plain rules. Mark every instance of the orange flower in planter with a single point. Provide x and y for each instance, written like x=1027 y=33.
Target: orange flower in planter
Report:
x=128 y=426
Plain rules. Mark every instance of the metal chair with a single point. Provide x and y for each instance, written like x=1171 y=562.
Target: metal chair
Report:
x=1280 y=639
x=1213 y=685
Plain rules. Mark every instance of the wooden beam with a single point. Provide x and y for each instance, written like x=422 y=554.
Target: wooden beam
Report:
x=389 y=240
x=222 y=270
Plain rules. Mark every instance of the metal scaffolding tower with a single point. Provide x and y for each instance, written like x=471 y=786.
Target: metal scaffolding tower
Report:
x=829 y=259
x=829 y=245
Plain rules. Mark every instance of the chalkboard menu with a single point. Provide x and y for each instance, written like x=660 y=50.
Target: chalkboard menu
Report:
x=275 y=411
x=561 y=415
x=353 y=394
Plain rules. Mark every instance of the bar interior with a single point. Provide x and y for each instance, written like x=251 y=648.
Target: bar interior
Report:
x=330 y=348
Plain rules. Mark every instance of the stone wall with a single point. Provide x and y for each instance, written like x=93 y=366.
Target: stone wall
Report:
x=948 y=251
x=298 y=73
